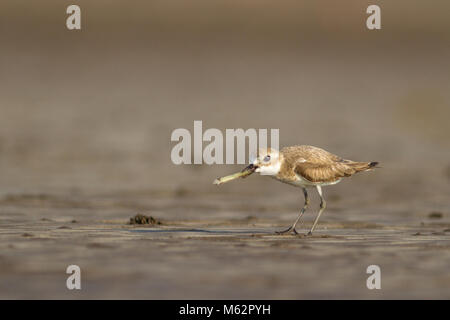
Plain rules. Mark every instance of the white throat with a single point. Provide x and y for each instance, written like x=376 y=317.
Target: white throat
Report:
x=271 y=170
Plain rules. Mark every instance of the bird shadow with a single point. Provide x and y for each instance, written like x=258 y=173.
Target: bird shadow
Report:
x=250 y=232
x=197 y=230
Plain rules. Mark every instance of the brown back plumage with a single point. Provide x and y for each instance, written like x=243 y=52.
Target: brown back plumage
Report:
x=319 y=166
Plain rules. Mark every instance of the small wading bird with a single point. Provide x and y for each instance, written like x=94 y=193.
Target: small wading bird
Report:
x=302 y=166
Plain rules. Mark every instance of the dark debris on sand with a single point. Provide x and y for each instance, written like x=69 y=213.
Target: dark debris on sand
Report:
x=435 y=215
x=142 y=219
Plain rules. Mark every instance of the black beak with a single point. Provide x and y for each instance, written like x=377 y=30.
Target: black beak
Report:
x=250 y=167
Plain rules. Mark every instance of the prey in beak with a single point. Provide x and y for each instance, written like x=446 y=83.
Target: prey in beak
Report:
x=242 y=174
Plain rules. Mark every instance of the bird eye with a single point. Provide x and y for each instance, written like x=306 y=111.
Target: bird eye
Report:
x=267 y=158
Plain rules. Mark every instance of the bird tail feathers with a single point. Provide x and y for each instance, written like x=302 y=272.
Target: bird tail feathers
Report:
x=363 y=166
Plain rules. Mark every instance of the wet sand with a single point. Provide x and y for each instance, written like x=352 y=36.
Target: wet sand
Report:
x=231 y=253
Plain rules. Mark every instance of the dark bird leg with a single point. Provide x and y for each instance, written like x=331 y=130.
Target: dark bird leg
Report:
x=323 y=205
x=305 y=206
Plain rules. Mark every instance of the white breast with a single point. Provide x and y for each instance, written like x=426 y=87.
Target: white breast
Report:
x=302 y=182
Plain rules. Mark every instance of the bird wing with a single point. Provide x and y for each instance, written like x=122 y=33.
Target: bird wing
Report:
x=318 y=166
x=317 y=172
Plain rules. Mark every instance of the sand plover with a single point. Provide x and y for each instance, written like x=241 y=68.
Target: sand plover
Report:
x=303 y=166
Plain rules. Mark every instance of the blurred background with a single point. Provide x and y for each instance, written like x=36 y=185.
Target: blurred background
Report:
x=95 y=108
x=86 y=116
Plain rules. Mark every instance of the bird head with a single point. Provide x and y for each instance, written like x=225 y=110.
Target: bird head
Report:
x=268 y=162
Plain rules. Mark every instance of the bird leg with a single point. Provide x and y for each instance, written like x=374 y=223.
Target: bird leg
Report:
x=292 y=228
x=323 y=205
